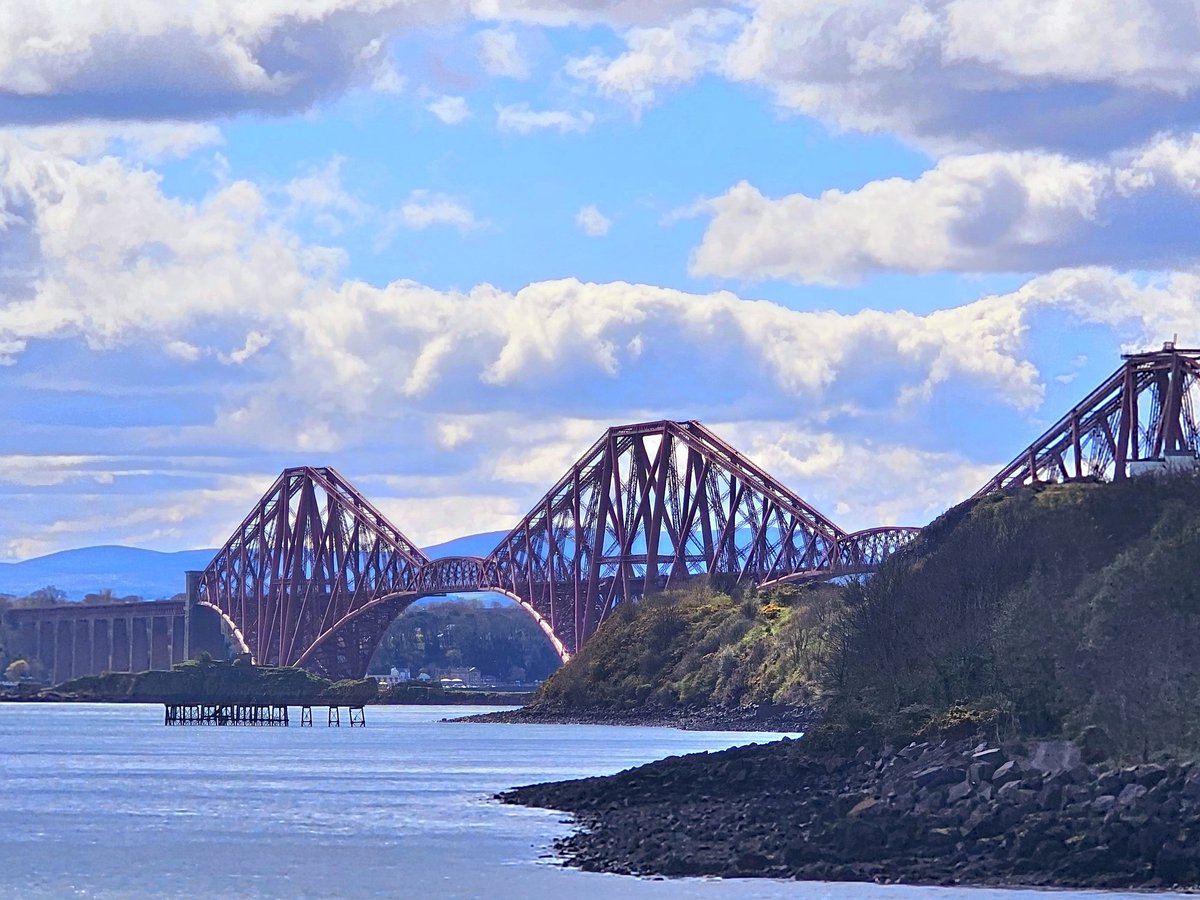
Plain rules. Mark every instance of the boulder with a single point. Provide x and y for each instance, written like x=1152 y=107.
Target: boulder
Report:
x=1131 y=794
x=1096 y=744
x=1009 y=771
x=1052 y=757
x=960 y=791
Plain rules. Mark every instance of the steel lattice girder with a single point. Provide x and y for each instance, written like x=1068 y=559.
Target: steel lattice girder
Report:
x=315 y=574
x=310 y=556
x=652 y=504
x=1146 y=409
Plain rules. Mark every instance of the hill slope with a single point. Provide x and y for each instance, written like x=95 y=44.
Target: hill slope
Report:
x=1043 y=611
x=132 y=571
x=1056 y=607
x=125 y=571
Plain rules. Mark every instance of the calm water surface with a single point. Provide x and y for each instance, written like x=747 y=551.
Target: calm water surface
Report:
x=105 y=802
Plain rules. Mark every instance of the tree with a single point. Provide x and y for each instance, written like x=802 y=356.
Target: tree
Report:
x=47 y=596
x=17 y=670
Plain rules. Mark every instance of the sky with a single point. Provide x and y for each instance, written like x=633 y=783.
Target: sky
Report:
x=441 y=245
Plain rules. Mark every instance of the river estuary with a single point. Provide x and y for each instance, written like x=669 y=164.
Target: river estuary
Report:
x=105 y=802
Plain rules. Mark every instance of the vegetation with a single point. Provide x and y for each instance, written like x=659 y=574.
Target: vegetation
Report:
x=699 y=646
x=499 y=640
x=1053 y=610
x=207 y=681
x=1050 y=609
x=17 y=670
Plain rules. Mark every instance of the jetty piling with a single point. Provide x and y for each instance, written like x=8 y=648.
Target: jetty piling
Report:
x=224 y=714
x=253 y=714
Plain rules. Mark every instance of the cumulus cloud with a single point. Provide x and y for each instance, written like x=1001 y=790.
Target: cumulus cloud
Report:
x=450 y=110
x=1015 y=212
x=501 y=55
x=660 y=56
x=68 y=60
x=593 y=222
x=1079 y=75
x=1082 y=76
x=518 y=118
x=451 y=376
x=71 y=60
x=859 y=483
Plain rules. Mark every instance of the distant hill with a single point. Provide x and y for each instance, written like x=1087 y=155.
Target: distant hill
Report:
x=132 y=571
x=124 y=570
x=471 y=545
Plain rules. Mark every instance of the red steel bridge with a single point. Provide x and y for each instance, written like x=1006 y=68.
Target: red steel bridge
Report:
x=1140 y=420
x=315 y=574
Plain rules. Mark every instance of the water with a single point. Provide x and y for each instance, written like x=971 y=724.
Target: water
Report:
x=105 y=802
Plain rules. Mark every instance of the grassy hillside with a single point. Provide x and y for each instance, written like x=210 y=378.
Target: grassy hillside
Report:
x=699 y=646
x=1045 y=610
x=1057 y=607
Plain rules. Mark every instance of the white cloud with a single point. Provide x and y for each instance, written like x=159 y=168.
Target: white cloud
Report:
x=1081 y=75
x=593 y=222
x=451 y=376
x=520 y=119
x=426 y=209
x=501 y=55
x=869 y=482
x=660 y=56
x=1015 y=212
x=67 y=60
x=320 y=194
x=451 y=110
x=255 y=341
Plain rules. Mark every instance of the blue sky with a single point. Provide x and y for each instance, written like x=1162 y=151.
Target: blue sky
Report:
x=443 y=245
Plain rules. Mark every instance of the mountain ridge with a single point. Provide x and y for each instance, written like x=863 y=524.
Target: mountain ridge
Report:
x=153 y=574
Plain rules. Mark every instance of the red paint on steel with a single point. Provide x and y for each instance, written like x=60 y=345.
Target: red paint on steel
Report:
x=315 y=574
x=1143 y=410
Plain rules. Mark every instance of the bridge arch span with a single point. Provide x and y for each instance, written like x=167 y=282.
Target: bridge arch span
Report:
x=345 y=650
x=315 y=573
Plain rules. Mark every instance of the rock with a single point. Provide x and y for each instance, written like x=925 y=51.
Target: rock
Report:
x=1096 y=744
x=1176 y=865
x=1104 y=803
x=1150 y=775
x=1008 y=791
x=1191 y=786
x=1010 y=771
x=931 y=802
x=1131 y=794
x=982 y=823
x=862 y=806
x=1051 y=797
x=936 y=776
x=1052 y=757
x=960 y=791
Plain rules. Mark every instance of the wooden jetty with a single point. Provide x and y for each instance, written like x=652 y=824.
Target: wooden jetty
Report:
x=252 y=714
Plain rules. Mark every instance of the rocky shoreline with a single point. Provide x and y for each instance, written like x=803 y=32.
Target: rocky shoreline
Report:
x=757 y=717
x=934 y=812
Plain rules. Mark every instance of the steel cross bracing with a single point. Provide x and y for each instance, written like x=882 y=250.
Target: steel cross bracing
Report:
x=315 y=574
x=1140 y=417
x=305 y=565
x=648 y=506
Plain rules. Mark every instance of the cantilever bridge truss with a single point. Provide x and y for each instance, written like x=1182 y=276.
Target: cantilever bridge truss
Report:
x=1142 y=419
x=315 y=574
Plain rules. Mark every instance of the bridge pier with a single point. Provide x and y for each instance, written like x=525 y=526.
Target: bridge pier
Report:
x=82 y=656
x=70 y=640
